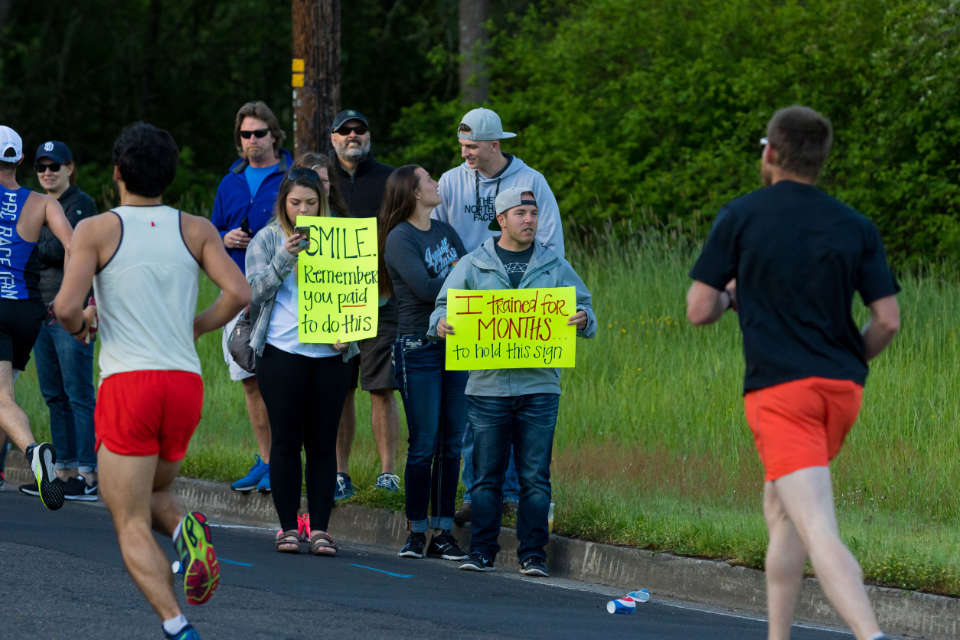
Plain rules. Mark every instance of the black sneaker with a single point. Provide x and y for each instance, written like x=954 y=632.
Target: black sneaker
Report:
x=444 y=546
x=477 y=562
x=31 y=489
x=78 y=489
x=414 y=546
x=41 y=458
x=534 y=567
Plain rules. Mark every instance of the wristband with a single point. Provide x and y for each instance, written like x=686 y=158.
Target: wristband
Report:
x=83 y=327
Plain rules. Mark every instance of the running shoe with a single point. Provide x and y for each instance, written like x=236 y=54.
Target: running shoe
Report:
x=198 y=560
x=49 y=487
x=414 y=546
x=388 y=481
x=445 y=546
x=344 y=489
x=477 y=562
x=250 y=481
x=2 y=481
x=187 y=633
x=264 y=485
x=303 y=527
x=78 y=489
x=535 y=567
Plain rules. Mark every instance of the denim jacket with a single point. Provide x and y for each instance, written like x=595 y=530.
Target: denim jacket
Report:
x=482 y=269
x=268 y=264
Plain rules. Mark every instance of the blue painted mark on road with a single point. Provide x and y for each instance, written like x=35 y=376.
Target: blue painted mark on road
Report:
x=239 y=564
x=389 y=573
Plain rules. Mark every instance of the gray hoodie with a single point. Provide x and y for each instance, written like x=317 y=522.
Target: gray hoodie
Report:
x=468 y=198
x=481 y=270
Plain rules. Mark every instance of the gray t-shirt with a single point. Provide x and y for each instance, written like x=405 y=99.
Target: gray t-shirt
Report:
x=418 y=262
x=515 y=262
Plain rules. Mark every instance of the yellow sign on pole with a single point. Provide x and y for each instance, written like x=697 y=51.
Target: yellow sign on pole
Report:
x=511 y=328
x=337 y=280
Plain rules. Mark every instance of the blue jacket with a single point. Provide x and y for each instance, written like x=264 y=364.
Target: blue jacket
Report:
x=233 y=202
x=482 y=269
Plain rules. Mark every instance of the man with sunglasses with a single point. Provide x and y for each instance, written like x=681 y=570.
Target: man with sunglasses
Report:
x=362 y=181
x=243 y=205
x=789 y=259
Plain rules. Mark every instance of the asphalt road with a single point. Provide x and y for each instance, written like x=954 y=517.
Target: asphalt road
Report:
x=62 y=577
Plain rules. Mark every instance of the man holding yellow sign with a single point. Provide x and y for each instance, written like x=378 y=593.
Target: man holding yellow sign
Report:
x=509 y=312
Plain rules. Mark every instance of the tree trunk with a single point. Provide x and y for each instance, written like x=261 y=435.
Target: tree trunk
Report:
x=316 y=58
x=474 y=79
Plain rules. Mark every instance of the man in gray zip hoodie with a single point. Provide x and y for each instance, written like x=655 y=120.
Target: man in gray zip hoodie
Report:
x=513 y=406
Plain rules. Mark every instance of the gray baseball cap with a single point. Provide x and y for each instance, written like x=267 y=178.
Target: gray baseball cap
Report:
x=512 y=197
x=484 y=124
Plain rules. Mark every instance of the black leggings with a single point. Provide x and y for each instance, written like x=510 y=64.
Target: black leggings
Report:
x=304 y=398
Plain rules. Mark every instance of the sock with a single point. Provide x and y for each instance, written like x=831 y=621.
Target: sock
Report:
x=173 y=626
x=878 y=636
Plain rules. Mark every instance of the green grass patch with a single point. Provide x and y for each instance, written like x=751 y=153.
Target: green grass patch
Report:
x=652 y=449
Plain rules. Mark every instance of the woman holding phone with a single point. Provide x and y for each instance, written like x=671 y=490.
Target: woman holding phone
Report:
x=303 y=385
x=416 y=255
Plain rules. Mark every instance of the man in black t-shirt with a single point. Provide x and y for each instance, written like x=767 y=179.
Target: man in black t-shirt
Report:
x=789 y=259
x=362 y=181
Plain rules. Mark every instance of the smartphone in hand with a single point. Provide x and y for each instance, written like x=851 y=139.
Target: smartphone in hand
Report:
x=303 y=232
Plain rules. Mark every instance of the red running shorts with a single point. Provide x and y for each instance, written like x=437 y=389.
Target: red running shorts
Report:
x=802 y=423
x=146 y=413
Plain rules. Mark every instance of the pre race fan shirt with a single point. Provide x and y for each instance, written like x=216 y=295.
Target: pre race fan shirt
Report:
x=798 y=256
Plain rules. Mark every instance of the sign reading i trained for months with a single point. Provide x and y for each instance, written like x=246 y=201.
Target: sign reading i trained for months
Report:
x=511 y=328
x=337 y=297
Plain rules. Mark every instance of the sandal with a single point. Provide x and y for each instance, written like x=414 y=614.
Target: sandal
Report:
x=321 y=544
x=288 y=541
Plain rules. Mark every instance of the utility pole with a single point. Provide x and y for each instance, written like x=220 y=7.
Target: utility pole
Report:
x=474 y=78
x=315 y=72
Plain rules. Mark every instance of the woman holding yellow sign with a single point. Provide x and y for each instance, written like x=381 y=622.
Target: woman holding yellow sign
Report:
x=417 y=253
x=303 y=384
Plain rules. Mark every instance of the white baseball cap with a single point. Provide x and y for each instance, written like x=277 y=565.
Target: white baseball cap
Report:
x=11 y=145
x=484 y=124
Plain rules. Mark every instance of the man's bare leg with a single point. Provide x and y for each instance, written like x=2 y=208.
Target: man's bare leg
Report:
x=385 y=420
x=136 y=490
x=345 y=432
x=12 y=418
x=807 y=498
x=259 y=421
x=786 y=560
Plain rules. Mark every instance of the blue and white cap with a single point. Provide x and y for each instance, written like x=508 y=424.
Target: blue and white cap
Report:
x=56 y=151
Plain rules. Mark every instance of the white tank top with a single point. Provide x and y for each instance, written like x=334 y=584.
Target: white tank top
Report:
x=147 y=296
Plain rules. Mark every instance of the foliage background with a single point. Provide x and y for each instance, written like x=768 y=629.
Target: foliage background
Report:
x=637 y=111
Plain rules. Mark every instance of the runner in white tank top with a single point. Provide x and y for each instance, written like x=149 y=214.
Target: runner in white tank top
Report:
x=146 y=258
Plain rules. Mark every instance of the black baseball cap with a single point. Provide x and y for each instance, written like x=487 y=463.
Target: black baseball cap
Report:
x=348 y=114
x=56 y=151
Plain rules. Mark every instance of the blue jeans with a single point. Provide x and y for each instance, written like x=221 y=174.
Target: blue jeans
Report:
x=435 y=406
x=65 y=373
x=527 y=422
x=511 y=484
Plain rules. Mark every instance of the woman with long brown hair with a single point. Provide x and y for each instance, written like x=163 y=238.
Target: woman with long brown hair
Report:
x=416 y=255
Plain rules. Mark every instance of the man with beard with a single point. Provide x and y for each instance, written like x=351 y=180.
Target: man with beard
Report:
x=362 y=180
x=789 y=258
x=243 y=205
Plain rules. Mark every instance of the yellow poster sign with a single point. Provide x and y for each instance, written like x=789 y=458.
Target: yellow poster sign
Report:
x=511 y=328
x=337 y=280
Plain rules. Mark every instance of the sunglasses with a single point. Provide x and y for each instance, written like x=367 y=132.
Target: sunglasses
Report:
x=53 y=166
x=359 y=129
x=302 y=173
x=259 y=133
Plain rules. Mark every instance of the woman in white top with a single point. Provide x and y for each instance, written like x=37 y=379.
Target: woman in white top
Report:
x=303 y=384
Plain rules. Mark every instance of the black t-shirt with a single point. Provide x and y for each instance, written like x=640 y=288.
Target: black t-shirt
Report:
x=515 y=262
x=418 y=262
x=798 y=256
